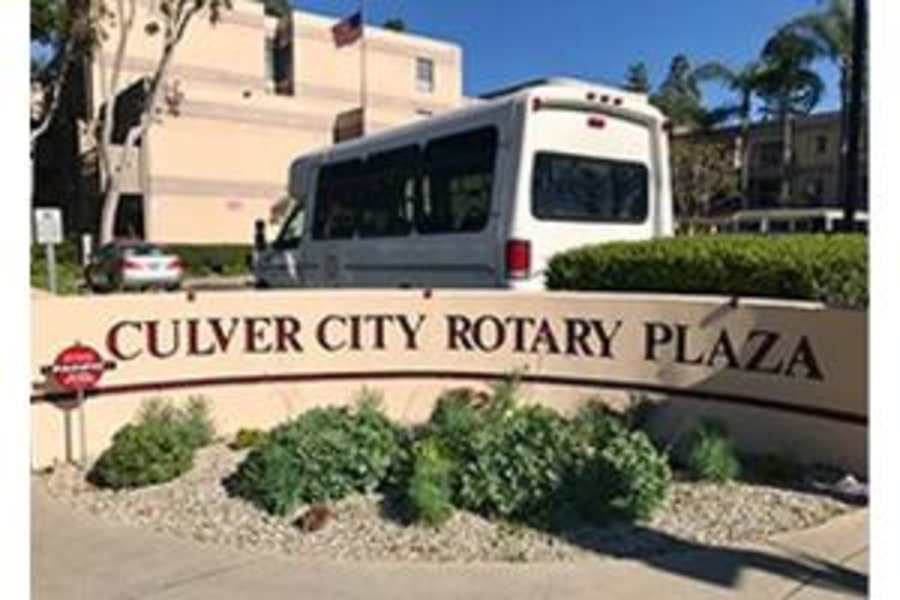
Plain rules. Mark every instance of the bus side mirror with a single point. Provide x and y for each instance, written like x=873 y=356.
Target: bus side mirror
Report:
x=259 y=235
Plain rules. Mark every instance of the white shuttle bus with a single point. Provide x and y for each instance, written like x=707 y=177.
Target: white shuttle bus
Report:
x=481 y=196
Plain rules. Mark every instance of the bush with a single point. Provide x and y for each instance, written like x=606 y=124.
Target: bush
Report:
x=515 y=467
x=629 y=478
x=248 y=438
x=159 y=448
x=324 y=454
x=827 y=268
x=192 y=423
x=431 y=486
x=219 y=259
x=141 y=455
x=69 y=273
x=531 y=464
x=709 y=453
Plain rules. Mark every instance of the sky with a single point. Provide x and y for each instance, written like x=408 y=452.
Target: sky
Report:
x=510 y=41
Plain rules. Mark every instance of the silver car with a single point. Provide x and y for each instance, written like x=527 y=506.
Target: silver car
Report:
x=133 y=265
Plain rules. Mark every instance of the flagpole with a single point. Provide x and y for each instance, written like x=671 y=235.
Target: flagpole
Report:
x=362 y=66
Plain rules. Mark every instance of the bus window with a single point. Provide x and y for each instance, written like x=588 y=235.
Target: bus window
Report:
x=458 y=183
x=291 y=231
x=337 y=201
x=388 y=193
x=748 y=226
x=566 y=187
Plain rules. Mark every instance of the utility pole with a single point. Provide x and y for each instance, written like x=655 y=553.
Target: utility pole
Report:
x=852 y=189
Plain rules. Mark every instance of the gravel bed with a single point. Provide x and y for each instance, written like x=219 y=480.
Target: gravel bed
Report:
x=197 y=506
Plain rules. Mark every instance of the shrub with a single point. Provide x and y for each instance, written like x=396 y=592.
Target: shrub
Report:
x=221 y=259
x=628 y=478
x=140 y=455
x=248 y=438
x=192 y=423
x=831 y=269
x=159 y=448
x=595 y=424
x=515 y=467
x=431 y=485
x=709 y=453
x=323 y=454
x=69 y=273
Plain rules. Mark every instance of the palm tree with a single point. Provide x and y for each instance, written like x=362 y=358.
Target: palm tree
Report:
x=679 y=97
x=788 y=86
x=638 y=78
x=830 y=29
x=743 y=83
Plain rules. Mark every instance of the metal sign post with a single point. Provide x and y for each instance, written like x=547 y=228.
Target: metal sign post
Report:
x=77 y=368
x=48 y=231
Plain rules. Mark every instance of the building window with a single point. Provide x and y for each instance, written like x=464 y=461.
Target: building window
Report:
x=425 y=75
x=821 y=144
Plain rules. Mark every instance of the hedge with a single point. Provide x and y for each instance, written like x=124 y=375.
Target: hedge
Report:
x=832 y=269
x=222 y=259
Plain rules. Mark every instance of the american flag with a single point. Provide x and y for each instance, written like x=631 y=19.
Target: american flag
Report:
x=349 y=30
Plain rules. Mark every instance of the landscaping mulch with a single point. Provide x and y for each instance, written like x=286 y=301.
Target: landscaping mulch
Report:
x=368 y=528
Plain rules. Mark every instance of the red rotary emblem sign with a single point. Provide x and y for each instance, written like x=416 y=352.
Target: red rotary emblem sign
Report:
x=78 y=368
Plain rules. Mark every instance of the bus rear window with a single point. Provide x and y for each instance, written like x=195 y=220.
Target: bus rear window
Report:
x=567 y=187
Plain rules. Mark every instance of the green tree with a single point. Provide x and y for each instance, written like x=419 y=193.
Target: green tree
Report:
x=395 y=24
x=788 y=86
x=743 y=83
x=679 y=95
x=170 y=20
x=702 y=170
x=830 y=29
x=61 y=31
x=638 y=78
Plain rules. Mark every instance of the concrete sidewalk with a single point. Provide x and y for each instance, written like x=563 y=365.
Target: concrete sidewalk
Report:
x=76 y=555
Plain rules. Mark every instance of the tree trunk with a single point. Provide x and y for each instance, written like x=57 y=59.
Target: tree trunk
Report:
x=787 y=157
x=844 y=128
x=111 y=198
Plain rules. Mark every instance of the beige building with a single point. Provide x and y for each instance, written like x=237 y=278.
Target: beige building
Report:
x=242 y=99
x=815 y=174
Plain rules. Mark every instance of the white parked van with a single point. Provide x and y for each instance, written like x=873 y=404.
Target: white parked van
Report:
x=481 y=196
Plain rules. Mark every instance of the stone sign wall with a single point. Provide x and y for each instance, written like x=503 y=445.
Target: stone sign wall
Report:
x=786 y=377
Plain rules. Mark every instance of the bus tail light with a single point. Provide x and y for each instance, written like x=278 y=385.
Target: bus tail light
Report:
x=596 y=122
x=518 y=259
x=536 y=104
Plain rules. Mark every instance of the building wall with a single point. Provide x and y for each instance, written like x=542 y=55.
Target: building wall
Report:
x=816 y=170
x=218 y=154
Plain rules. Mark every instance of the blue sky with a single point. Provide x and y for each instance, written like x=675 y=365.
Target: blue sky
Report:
x=508 y=41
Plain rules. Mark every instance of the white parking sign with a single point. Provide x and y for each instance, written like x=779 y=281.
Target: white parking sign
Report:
x=48 y=226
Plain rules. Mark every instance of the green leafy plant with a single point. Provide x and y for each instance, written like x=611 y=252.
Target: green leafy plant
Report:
x=323 y=454
x=192 y=422
x=158 y=448
x=828 y=268
x=515 y=466
x=431 y=484
x=628 y=478
x=709 y=453
x=248 y=438
x=140 y=455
